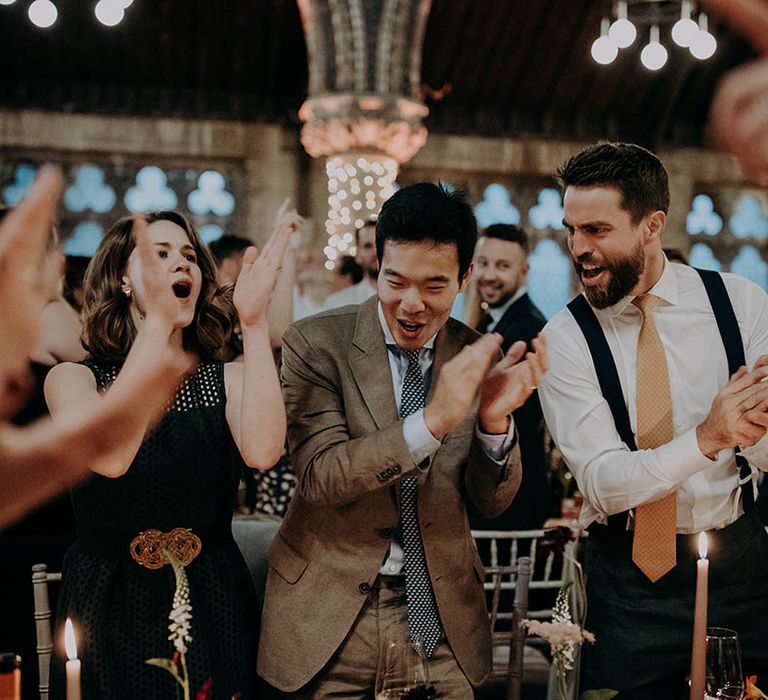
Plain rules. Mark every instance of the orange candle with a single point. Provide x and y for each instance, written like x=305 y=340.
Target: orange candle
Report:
x=699 y=647
x=73 y=664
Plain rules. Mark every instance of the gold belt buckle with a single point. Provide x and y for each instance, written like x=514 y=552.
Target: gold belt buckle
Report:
x=149 y=547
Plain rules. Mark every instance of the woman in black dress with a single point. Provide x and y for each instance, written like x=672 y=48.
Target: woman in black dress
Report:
x=173 y=488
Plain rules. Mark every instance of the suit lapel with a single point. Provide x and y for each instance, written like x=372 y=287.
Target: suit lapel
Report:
x=370 y=368
x=447 y=344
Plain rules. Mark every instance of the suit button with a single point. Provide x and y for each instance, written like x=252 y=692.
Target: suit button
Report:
x=386 y=533
x=364 y=587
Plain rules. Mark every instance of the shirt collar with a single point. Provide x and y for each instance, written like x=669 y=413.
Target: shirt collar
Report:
x=497 y=312
x=389 y=339
x=666 y=288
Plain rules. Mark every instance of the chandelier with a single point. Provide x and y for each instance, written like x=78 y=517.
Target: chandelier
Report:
x=44 y=13
x=621 y=29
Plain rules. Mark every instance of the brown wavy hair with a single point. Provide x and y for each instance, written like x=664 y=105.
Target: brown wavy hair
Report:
x=108 y=329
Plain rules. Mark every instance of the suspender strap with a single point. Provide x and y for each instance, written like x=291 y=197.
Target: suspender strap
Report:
x=610 y=386
x=605 y=367
x=734 y=351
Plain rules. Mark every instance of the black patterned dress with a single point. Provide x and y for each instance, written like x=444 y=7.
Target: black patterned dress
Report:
x=184 y=475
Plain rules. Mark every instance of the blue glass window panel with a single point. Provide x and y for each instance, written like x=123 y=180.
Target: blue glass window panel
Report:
x=84 y=240
x=748 y=263
x=89 y=191
x=151 y=191
x=748 y=220
x=703 y=218
x=210 y=232
x=549 y=278
x=211 y=195
x=496 y=207
x=25 y=176
x=703 y=257
x=548 y=213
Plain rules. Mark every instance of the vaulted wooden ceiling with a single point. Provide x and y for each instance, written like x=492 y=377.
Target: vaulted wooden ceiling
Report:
x=506 y=67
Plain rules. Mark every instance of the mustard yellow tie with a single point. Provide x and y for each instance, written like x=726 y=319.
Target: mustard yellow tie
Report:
x=653 y=547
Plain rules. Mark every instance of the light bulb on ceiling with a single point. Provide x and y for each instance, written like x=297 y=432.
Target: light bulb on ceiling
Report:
x=703 y=45
x=604 y=51
x=109 y=12
x=685 y=29
x=42 y=13
x=622 y=32
x=7 y=2
x=654 y=55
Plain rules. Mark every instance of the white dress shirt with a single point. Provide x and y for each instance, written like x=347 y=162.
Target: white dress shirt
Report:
x=421 y=443
x=611 y=477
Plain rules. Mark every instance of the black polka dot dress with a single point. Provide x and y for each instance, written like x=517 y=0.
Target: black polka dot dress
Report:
x=185 y=474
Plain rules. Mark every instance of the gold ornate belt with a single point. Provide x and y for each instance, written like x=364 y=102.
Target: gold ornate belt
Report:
x=149 y=547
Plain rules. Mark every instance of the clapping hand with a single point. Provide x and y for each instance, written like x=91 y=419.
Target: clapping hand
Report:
x=154 y=284
x=510 y=382
x=259 y=272
x=24 y=269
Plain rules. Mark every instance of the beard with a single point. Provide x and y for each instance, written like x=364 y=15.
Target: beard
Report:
x=624 y=275
x=503 y=298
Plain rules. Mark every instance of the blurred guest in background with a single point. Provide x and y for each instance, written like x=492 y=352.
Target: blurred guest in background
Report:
x=501 y=267
x=346 y=274
x=228 y=253
x=365 y=241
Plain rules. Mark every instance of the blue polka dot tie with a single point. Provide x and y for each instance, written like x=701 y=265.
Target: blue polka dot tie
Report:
x=423 y=619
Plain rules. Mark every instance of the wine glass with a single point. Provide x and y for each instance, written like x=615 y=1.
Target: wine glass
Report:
x=403 y=672
x=724 y=676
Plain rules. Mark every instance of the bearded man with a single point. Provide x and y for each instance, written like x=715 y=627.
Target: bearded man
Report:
x=655 y=399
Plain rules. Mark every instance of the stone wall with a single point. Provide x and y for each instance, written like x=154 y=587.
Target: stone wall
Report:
x=276 y=167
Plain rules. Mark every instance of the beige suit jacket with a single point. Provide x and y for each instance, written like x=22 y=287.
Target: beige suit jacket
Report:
x=347 y=448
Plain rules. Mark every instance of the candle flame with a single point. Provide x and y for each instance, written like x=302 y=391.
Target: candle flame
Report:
x=703 y=545
x=69 y=640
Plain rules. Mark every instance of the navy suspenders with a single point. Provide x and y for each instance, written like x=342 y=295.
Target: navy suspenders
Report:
x=608 y=376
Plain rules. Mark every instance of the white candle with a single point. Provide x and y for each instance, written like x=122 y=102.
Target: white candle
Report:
x=699 y=647
x=73 y=664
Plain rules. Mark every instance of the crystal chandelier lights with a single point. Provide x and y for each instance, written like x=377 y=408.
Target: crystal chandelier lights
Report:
x=364 y=110
x=44 y=13
x=687 y=32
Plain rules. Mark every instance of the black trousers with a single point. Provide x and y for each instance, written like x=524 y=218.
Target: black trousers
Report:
x=644 y=630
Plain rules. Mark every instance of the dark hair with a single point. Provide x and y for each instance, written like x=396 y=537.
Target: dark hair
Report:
x=509 y=233
x=4 y=211
x=350 y=267
x=74 y=274
x=428 y=211
x=636 y=172
x=228 y=245
x=675 y=255
x=108 y=329
x=370 y=223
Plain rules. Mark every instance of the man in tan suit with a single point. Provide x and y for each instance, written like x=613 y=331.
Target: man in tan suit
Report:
x=395 y=418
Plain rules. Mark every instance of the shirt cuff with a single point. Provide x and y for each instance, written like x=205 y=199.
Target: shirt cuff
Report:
x=680 y=458
x=420 y=442
x=497 y=446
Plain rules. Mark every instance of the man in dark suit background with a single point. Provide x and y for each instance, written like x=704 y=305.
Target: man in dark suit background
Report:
x=501 y=267
x=397 y=417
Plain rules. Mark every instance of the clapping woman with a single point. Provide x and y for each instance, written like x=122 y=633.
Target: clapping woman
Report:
x=168 y=495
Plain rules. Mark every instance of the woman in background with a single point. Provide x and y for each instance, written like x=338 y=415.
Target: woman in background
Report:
x=171 y=489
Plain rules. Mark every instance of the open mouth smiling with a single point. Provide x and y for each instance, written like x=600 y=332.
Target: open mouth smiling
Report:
x=182 y=289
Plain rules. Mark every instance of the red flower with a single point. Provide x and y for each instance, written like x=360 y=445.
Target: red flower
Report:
x=205 y=690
